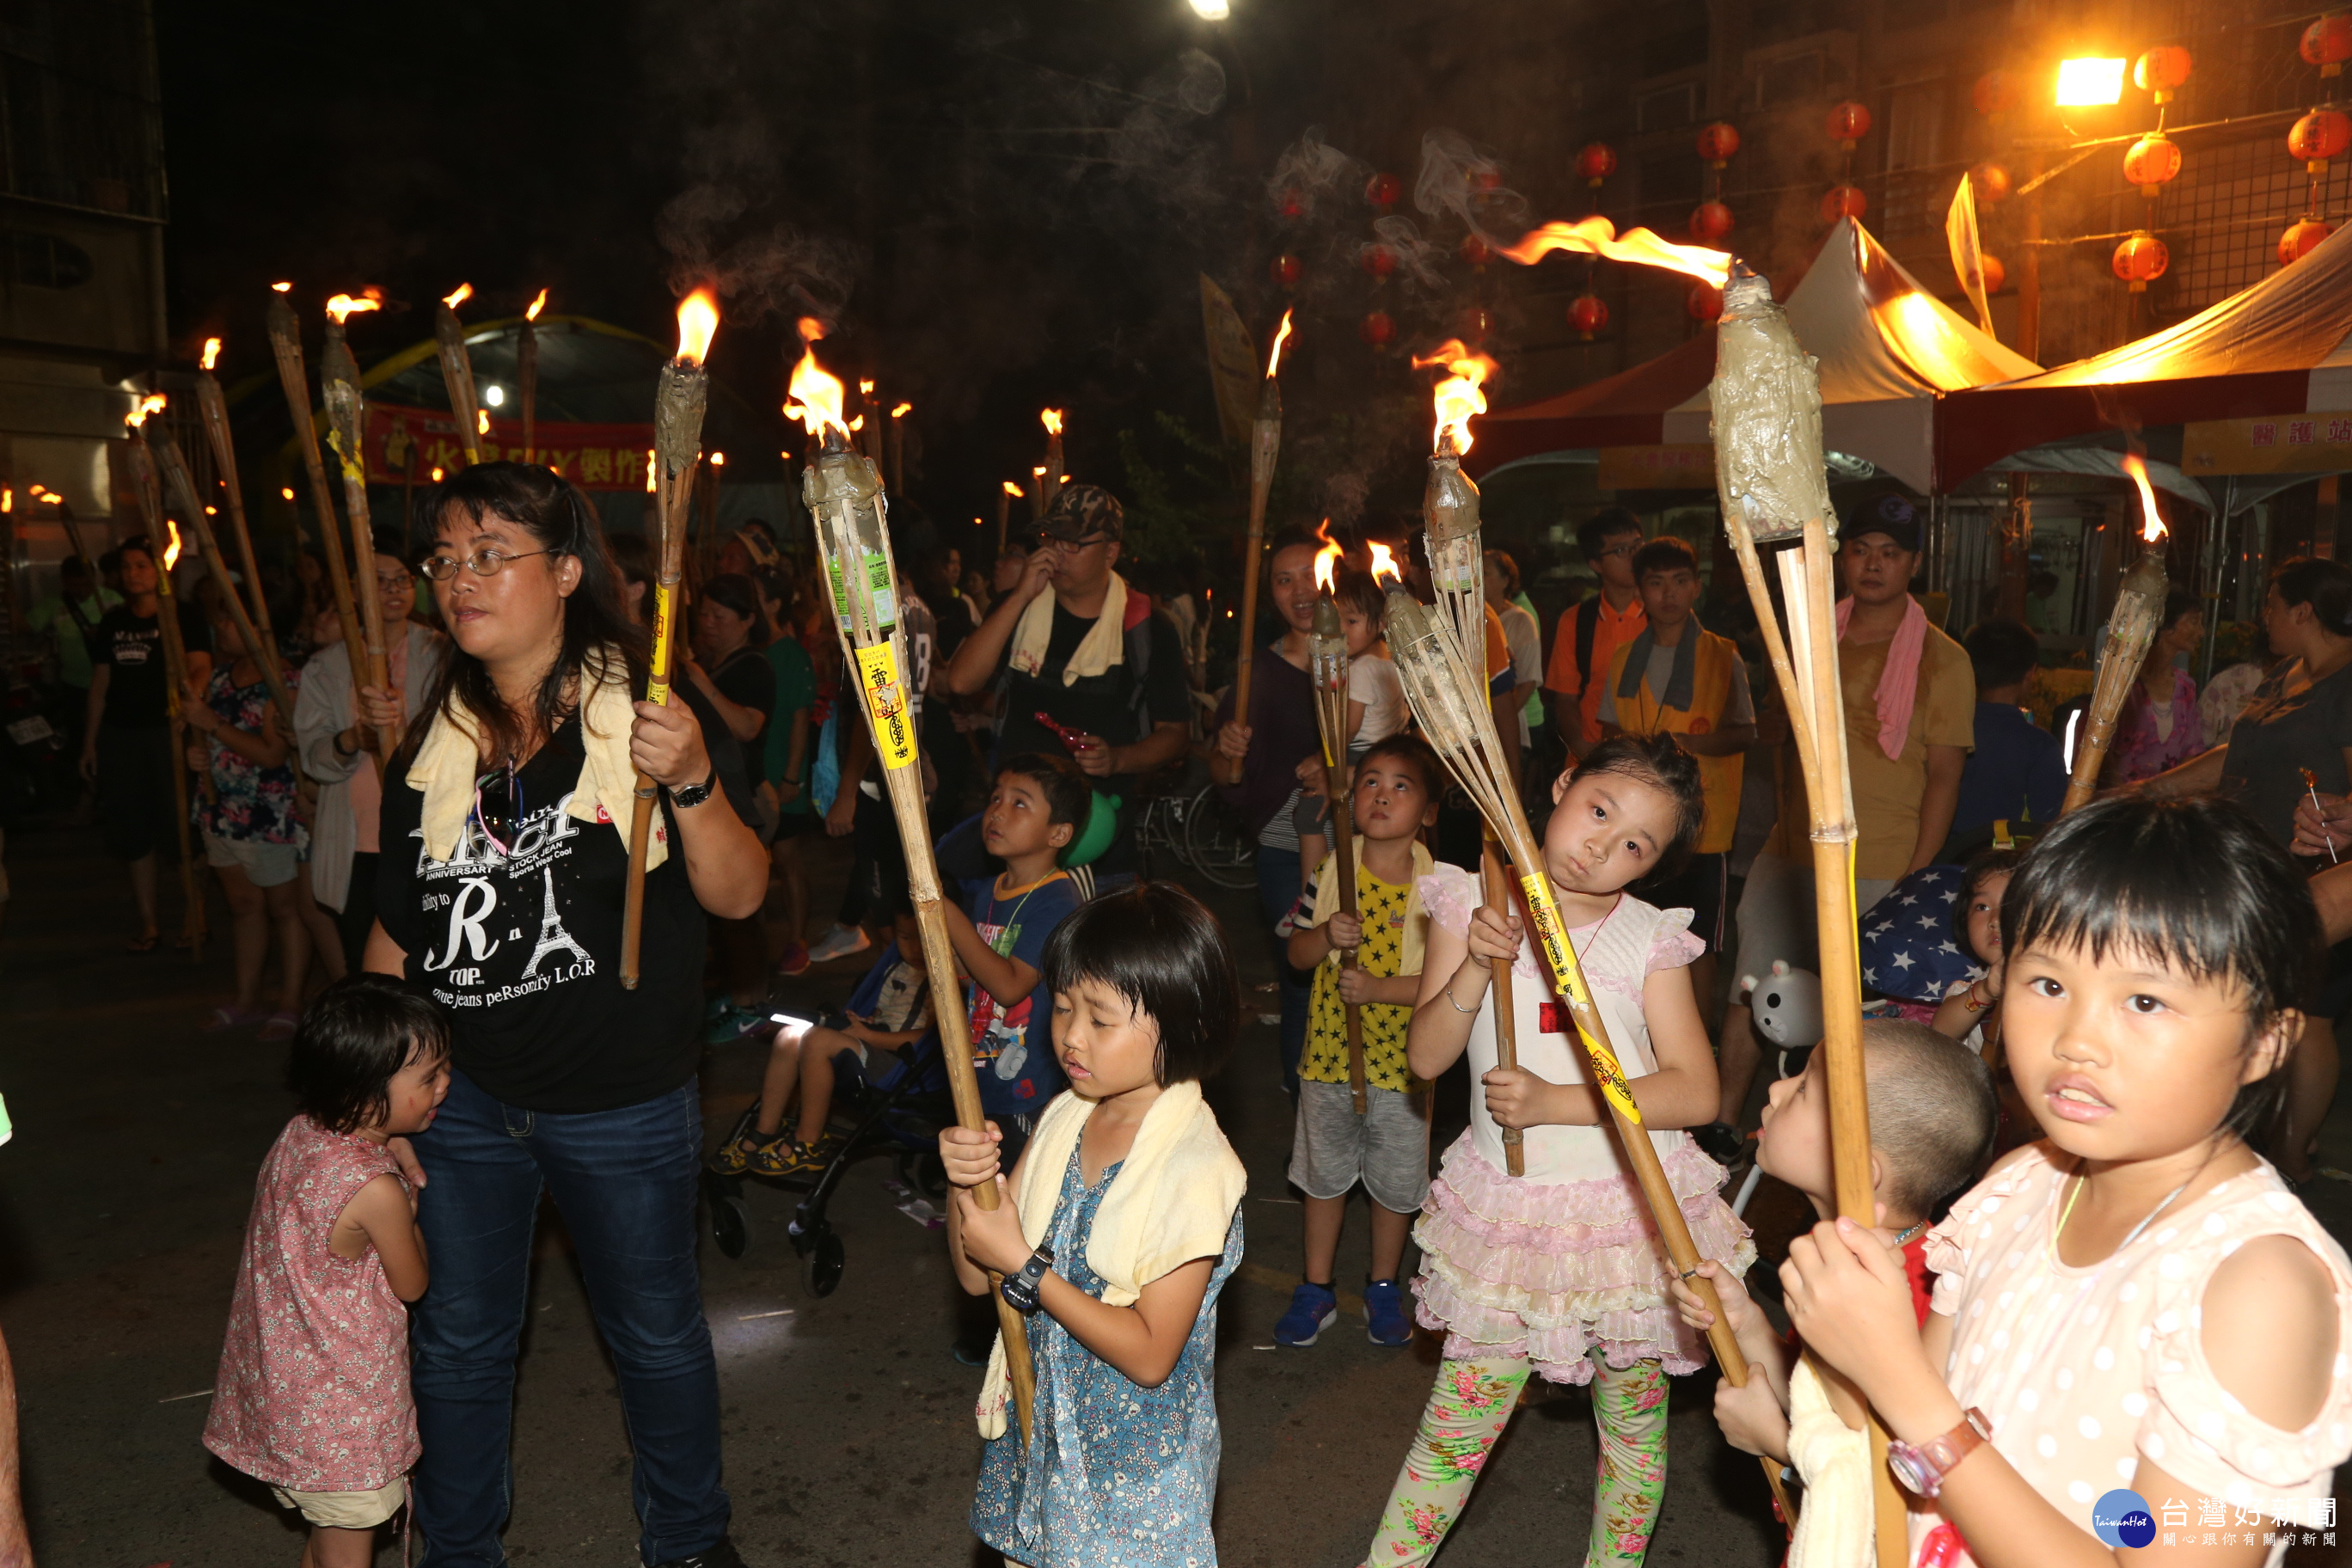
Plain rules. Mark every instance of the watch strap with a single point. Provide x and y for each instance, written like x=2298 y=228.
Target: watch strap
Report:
x=1922 y=1467
x=693 y=796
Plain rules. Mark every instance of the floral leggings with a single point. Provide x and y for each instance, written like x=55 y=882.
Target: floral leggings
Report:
x=1468 y=1410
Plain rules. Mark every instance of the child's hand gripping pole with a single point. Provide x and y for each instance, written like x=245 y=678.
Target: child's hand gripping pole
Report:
x=1326 y=658
x=844 y=497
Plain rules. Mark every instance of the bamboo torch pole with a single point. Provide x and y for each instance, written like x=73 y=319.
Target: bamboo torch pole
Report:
x=1050 y=476
x=285 y=343
x=1265 y=442
x=339 y=381
x=458 y=373
x=175 y=668
x=213 y=410
x=844 y=496
x=173 y=470
x=2131 y=627
x=897 y=448
x=1326 y=666
x=1037 y=494
x=1005 y=500
x=527 y=376
x=680 y=398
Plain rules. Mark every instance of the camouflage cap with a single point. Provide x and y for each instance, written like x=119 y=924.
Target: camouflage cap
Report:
x=1083 y=511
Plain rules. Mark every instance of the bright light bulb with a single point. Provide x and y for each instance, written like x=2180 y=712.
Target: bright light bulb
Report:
x=495 y=396
x=1212 y=10
x=2090 y=83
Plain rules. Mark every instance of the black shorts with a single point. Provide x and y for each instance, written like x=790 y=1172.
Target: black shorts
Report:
x=877 y=891
x=136 y=808
x=1699 y=888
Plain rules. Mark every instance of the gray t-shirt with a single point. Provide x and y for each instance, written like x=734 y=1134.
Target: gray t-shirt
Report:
x=1740 y=710
x=2282 y=732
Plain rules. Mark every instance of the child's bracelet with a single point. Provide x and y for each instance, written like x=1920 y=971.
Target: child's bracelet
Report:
x=1447 y=992
x=1968 y=999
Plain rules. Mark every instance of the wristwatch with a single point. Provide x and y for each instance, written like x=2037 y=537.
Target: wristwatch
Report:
x=692 y=795
x=1923 y=1468
x=1021 y=1290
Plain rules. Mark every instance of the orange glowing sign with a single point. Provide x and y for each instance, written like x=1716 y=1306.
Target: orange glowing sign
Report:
x=464 y=293
x=1327 y=560
x=1052 y=419
x=1598 y=236
x=1384 y=566
x=1013 y=491
x=171 y=554
x=212 y=352
x=697 y=322
x=2152 y=529
x=536 y=307
x=816 y=397
x=343 y=307
x=1281 y=336
x=1460 y=396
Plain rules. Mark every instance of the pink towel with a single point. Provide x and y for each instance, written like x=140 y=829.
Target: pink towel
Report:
x=1898 y=687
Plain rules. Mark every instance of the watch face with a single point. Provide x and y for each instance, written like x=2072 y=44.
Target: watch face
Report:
x=1907 y=1469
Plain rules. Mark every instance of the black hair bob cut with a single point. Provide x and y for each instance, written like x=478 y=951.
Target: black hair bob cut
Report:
x=353 y=1038
x=2191 y=883
x=1159 y=947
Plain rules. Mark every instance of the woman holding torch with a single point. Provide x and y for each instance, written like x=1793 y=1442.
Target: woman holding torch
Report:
x=517 y=789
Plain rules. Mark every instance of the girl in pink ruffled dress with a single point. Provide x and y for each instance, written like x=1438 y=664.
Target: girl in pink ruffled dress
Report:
x=1561 y=1272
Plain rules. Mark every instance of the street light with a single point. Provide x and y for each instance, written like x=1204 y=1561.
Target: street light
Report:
x=2090 y=83
x=1212 y=10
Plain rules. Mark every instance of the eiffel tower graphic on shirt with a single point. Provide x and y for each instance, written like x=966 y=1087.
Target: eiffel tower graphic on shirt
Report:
x=552 y=937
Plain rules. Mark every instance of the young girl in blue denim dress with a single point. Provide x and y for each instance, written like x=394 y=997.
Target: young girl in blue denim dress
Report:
x=1122 y=1218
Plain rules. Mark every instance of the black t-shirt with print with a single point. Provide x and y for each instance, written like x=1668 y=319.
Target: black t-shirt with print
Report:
x=132 y=644
x=525 y=951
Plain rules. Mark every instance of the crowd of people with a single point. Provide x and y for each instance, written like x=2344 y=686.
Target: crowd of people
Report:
x=2113 y=1032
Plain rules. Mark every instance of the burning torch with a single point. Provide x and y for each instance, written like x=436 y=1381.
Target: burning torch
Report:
x=339 y=381
x=458 y=373
x=214 y=409
x=527 y=375
x=1266 y=441
x=286 y=344
x=2139 y=605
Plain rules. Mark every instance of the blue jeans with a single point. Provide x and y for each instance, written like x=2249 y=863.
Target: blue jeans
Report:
x=1277 y=889
x=626 y=1180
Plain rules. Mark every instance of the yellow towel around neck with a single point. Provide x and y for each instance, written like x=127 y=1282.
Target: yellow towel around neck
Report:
x=1104 y=644
x=1172 y=1201
x=449 y=758
x=1838 y=1525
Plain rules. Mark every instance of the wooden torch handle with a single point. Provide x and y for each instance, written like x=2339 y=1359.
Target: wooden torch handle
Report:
x=285 y=343
x=1494 y=888
x=1343 y=865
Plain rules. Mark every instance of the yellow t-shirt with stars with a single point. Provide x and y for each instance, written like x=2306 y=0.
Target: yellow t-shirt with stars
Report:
x=1395 y=930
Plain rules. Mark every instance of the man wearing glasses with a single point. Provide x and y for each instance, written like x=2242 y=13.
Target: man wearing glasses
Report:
x=1591 y=632
x=1072 y=642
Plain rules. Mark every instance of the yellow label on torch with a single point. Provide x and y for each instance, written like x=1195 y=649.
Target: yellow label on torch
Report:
x=885 y=705
x=657 y=682
x=1569 y=976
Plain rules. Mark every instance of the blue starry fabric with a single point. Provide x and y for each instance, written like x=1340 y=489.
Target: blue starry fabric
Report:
x=1910 y=945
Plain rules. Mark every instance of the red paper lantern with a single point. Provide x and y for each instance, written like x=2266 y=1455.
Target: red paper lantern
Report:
x=1287 y=270
x=1846 y=201
x=1710 y=221
x=1849 y=123
x=2328 y=43
x=1994 y=93
x=1992 y=182
x=1588 y=313
x=1704 y=302
x=1376 y=329
x=2322 y=134
x=2301 y=238
x=1476 y=251
x=2152 y=160
x=1382 y=190
x=1292 y=202
x=1486 y=179
x=1719 y=143
x=2161 y=70
x=1476 y=322
x=1377 y=259
x=1994 y=273
x=2141 y=260
x=1596 y=160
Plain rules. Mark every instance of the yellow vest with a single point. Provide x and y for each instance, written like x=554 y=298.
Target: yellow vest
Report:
x=1710 y=696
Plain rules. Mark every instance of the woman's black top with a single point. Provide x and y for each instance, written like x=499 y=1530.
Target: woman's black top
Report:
x=746 y=679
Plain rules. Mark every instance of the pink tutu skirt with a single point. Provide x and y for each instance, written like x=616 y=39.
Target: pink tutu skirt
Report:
x=1550 y=1271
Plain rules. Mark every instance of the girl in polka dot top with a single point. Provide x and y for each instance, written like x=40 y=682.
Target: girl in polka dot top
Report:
x=2139 y=1336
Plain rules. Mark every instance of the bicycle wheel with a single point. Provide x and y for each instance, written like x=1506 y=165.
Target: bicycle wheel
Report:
x=1214 y=844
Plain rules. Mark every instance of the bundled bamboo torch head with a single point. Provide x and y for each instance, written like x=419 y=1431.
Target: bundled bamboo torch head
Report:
x=683 y=393
x=844 y=495
x=339 y=381
x=2131 y=629
x=1326 y=667
x=1767 y=398
x=1451 y=533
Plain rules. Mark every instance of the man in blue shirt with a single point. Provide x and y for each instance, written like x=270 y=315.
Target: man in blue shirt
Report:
x=2017 y=771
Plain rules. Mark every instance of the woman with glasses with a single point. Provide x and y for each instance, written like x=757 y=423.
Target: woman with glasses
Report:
x=335 y=729
x=501 y=892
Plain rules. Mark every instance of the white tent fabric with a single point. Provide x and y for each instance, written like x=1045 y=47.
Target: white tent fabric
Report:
x=1887 y=348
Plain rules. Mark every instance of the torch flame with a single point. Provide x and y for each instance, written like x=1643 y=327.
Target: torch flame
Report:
x=1052 y=419
x=865 y=388
x=343 y=307
x=2152 y=528
x=901 y=410
x=286 y=490
x=1015 y=491
x=536 y=307
x=718 y=459
x=436 y=479
x=1598 y=236
x=1327 y=560
x=212 y=352
x=1281 y=336
x=464 y=293
x=1459 y=395
x=858 y=423
x=698 y=320
x=150 y=403
x=283 y=288
x=1384 y=563
x=482 y=421
x=1039 y=471
x=818 y=396
x=649 y=470
x=171 y=554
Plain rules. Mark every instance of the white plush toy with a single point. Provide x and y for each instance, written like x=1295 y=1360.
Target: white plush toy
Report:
x=1787 y=1003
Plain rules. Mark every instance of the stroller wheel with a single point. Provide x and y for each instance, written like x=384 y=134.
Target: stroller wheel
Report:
x=930 y=1176
x=730 y=1224
x=823 y=1270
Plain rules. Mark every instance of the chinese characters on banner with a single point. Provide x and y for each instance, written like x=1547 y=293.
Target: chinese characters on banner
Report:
x=405 y=444
x=2270 y=444
x=2216 y=1521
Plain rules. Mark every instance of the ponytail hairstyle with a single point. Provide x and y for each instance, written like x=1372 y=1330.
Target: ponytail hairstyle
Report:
x=2325 y=585
x=561 y=522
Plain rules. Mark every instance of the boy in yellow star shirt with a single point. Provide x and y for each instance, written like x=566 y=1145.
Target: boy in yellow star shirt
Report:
x=1393 y=798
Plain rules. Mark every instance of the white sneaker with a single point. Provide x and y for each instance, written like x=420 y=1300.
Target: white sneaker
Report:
x=841 y=941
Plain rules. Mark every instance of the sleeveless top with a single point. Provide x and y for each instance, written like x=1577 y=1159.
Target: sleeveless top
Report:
x=1618 y=952
x=313 y=1393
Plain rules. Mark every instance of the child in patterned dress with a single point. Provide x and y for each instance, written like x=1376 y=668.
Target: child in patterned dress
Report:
x=313 y=1395
x=1386 y=1147
x=2137 y=1322
x=1561 y=1270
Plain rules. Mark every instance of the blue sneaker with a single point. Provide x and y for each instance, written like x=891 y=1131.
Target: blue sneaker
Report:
x=1388 y=1320
x=1313 y=1309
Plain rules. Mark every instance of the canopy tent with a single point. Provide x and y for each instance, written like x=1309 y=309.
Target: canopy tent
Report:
x=1888 y=350
x=2283 y=346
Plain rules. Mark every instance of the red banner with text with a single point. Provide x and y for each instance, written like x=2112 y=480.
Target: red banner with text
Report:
x=405 y=444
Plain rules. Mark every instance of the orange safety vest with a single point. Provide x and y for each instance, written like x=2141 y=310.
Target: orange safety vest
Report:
x=1718 y=777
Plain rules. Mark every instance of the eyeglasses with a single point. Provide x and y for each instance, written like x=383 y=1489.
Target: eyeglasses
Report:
x=1603 y=555
x=1070 y=546
x=391 y=583
x=498 y=806
x=481 y=563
